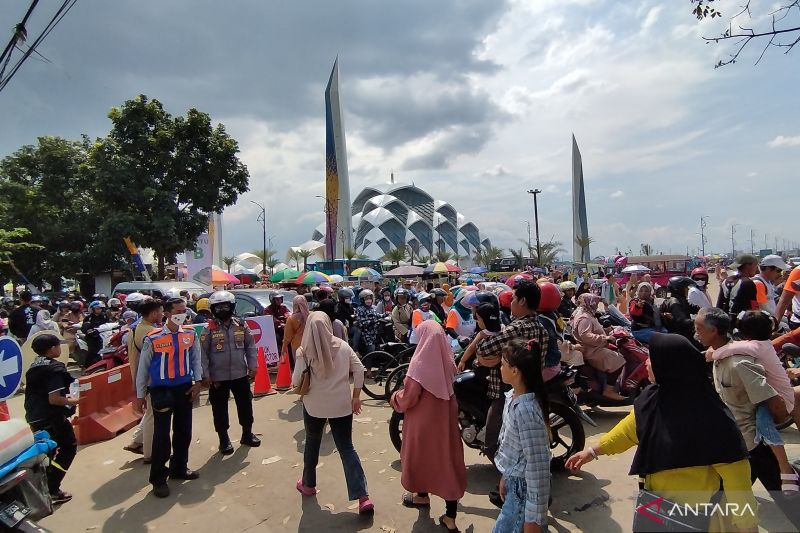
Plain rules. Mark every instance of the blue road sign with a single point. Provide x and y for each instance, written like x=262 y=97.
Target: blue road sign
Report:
x=10 y=367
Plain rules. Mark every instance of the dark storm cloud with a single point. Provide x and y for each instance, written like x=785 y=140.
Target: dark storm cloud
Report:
x=269 y=60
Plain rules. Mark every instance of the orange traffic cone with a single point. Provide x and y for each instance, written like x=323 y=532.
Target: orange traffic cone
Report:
x=284 y=380
x=262 y=387
x=4 y=414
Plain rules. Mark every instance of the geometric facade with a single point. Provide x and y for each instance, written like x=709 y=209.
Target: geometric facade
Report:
x=397 y=215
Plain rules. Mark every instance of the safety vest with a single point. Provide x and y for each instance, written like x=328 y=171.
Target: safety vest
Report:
x=170 y=365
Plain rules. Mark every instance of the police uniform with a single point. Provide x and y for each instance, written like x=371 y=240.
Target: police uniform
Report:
x=168 y=365
x=229 y=353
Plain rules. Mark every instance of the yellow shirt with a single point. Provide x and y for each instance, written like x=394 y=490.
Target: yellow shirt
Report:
x=693 y=484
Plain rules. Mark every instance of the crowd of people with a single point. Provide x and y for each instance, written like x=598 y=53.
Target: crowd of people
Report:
x=714 y=371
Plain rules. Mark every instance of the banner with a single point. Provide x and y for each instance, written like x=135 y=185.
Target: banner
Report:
x=263 y=330
x=136 y=257
x=198 y=261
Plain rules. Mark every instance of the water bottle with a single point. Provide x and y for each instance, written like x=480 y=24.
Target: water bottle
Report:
x=75 y=390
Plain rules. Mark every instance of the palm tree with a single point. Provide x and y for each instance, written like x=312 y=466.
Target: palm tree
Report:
x=349 y=255
x=295 y=256
x=646 y=249
x=550 y=252
x=457 y=257
x=518 y=257
x=272 y=263
x=363 y=257
x=424 y=259
x=412 y=253
x=443 y=256
x=305 y=254
x=478 y=257
x=395 y=255
x=583 y=243
x=229 y=261
x=265 y=256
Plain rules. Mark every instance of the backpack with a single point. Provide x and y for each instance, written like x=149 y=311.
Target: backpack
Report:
x=727 y=292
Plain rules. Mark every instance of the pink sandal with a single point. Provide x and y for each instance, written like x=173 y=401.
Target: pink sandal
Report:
x=305 y=491
x=365 y=506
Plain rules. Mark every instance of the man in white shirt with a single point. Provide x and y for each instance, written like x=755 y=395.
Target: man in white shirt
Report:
x=770 y=269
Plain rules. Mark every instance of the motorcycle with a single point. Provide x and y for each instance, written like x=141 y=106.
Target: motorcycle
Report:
x=567 y=434
x=631 y=380
x=115 y=353
x=790 y=354
x=24 y=497
x=388 y=356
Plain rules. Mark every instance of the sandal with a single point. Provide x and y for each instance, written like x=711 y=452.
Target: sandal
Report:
x=305 y=491
x=365 y=506
x=790 y=484
x=408 y=501
x=441 y=523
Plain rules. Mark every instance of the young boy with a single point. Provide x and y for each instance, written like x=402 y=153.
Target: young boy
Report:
x=48 y=408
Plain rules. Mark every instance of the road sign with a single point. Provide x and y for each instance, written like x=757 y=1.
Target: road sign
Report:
x=10 y=367
x=255 y=329
x=263 y=330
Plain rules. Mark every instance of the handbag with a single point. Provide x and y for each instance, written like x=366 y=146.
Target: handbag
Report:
x=305 y=383
x=654 y=514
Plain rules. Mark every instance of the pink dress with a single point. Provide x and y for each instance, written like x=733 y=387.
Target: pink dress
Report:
x=432 y=454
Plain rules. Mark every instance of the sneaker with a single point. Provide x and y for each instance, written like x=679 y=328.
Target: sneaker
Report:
x=305 y=491
x=60 y=497
x=161 y=491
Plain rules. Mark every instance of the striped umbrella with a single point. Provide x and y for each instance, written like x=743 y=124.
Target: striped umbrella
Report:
x=312 y=277
x=365 y=272
x=441 y=268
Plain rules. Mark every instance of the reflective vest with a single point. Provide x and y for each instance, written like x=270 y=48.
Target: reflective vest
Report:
x=171 y=365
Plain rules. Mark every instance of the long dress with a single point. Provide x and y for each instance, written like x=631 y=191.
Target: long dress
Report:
x=432 y=453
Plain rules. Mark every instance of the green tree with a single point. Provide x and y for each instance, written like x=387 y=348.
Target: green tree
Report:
x=583 y=243
x=162 y=177
x=490 y=255
x=11 y=243
x=424 y=259
x=646 y=249
x=478 y=257
x=363 y=257
x=442 y=256
x=49 y=189
x=294 y=256
x=349 y=255
x=305 y=254
x=395 y=255
x=229 y=261
x=550 y=251
x=518 y=257
x=271 y=263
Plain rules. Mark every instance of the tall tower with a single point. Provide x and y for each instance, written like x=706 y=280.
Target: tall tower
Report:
x=580 y=226
x=338 y=225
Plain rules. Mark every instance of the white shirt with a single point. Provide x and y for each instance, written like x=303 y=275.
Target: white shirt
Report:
x=698 y=298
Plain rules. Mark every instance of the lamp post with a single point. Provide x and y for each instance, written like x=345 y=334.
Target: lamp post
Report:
x=703 y=235
x=535 y=192
x=262 y=217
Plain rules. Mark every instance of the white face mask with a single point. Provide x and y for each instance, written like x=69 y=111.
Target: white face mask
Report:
x=178 y=319
x=700 y=283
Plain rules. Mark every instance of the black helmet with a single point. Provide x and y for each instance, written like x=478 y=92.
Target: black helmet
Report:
x=680 y=284
x=401 y=292
x=439 y=292
x=345 y=293
x=487 y=297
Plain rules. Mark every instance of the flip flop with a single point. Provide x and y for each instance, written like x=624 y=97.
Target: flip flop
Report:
x=408 y=501
x=441 y=523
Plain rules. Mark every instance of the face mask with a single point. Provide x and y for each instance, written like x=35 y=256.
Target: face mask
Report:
x=700 y=283
x=178 y=319
x=347 y=300
x=223 y=314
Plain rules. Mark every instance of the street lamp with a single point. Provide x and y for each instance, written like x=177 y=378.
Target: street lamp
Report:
x=262 y=217
x=535 y=192
x=703 y=234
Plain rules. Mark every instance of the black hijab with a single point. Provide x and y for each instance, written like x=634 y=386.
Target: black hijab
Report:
x=681 y=420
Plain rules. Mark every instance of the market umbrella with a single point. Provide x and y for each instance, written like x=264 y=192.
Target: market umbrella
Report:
x=284 y=275
x=478 y=270
x=312 y=277
x=635 y=269
x=407 y=271
x=220 y=277
x=364 y=272
x=336 y=278
x=476 y=278
x=441 y=268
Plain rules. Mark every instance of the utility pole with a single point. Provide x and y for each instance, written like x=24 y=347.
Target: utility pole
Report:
x=752 y=246
x=733 y=243
x=262 y=217
x=702 y=235
x=528 y=222
x=535 y=192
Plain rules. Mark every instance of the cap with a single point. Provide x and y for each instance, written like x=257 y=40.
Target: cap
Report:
x=744 y=259
x=774 y=261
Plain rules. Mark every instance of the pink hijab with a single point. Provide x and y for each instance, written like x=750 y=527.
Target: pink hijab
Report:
x=300 y=308
x=432 y=365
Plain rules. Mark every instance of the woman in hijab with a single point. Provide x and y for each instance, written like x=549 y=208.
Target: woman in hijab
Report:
x=43 y=323
x=688 y=444
x=589 y=333
x=295 y=324
x=329 y=399
x=645 y=318
x=432 y=454
x=583 y=288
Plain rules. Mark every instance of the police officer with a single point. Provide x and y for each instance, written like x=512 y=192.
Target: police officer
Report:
x=229 y=364
x=170 y=368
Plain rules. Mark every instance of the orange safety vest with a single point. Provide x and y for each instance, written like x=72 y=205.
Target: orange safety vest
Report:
x=170 y=365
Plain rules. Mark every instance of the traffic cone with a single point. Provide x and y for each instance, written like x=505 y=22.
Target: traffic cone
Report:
x=4 y=414
x=284 y=379
x=262 y=386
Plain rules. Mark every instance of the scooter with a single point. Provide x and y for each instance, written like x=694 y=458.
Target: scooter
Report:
x=469 y=387
x=114 y=354
x=22 y=500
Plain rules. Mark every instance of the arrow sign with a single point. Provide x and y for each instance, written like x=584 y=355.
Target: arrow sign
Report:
x=10 y=367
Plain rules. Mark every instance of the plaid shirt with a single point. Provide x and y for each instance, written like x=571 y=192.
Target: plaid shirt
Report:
x=525 y=453
x=525 y=328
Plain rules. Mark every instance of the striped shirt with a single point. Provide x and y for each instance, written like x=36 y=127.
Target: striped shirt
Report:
x=524 y=452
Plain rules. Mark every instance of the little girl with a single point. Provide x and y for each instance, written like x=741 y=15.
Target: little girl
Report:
x=488 y=318
x=524 y=454
x=755 y=327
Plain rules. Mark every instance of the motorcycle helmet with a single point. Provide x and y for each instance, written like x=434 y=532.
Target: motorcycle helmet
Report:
x=327 y=289
x=366 y=293
x=423 y=297
x=474 y=298
x=550 y=298
x=96 y=296
x=505 y=298
x=345 y=294
x=567 y=285
x=202 y=305
x=75 y=305
x=40 y=298
x=223 y=298
x=114 y=303
x=439 y=292
x=699 y=273
x=272 y=297
x=96 y=304
x=679 y=285
x=134 y=300
x=401 y=292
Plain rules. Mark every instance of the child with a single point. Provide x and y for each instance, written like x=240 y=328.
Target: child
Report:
x=48 y=408
x=488 y=318
x=755 y=328
x=524 y=454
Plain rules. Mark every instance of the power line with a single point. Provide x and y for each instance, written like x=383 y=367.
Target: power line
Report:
x=20 y=34
x=66 y=6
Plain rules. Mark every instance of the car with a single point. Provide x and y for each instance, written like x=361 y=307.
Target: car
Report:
x=157 y=289
x=252 y=302
x=794 y=261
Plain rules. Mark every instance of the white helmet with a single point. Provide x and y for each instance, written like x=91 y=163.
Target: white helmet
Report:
x=567 y=285
x=221 y=297
x=366 y=293
x=134 y=298
x=174 y=293
x=114 y=303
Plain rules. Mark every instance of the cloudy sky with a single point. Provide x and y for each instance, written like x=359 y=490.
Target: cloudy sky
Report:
x=474 y=101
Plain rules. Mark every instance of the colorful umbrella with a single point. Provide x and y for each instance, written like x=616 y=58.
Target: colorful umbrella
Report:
x=220 y=277
x=365 y=272
x=284 y=275
x=478 y=270
x=407 y=271
x=635 y=269
x=441 y=268
x=312 y=277
x=336 y=278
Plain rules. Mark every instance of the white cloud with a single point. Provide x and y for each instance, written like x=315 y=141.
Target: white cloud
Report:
x=617 y=194
x=780 y=141
x=651 y=18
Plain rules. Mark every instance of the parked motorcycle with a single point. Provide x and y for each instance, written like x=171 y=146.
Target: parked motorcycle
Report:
x=568 y=435
x=24 y=497
x=115 y=353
